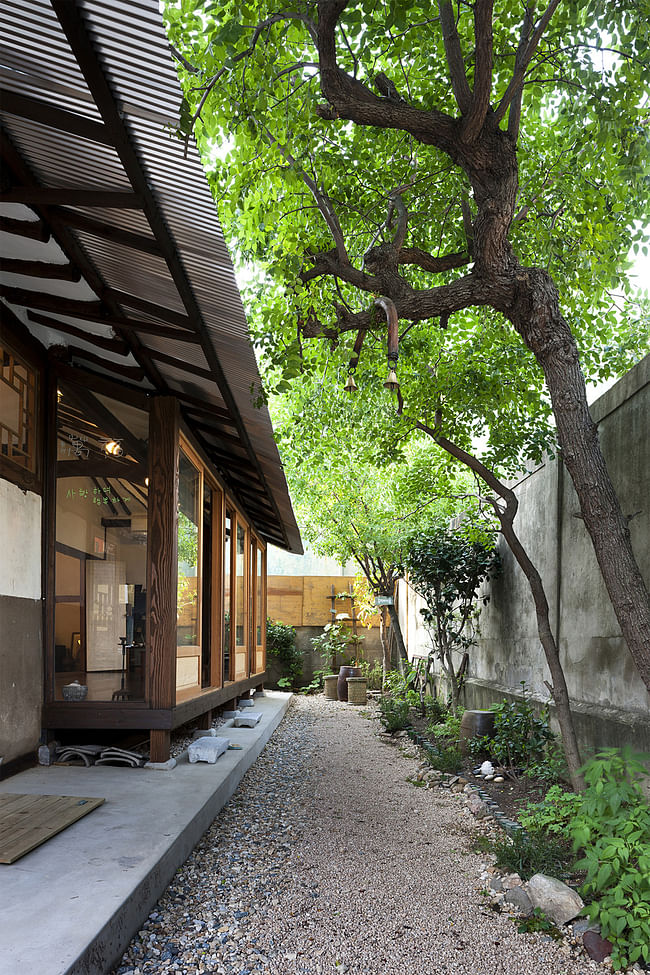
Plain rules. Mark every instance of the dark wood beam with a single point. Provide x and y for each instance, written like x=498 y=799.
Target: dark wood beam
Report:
x=201 y=404
x=170 y=360
x=127 y=324
x=210 y=412
x=151 y=308
x=105 y=231
x=40 y=269
x=102 y=384
x=129 y=372
x=46 y=113
x=34 y=229
x=215 y=431
x=71 y=19
x=74 y=197
x=101 y=341
x=49 y=302
x=106 y=494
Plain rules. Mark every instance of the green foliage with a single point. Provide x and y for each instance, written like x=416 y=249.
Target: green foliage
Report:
x=393 y=714
x=332 y=643
x=531 y=853
x=612 y=828
x=281 y=644
x=554 y=813
x=609 y=826
x=539 y=922
x=444 y=757
x=316 y=683
x=448 y=728
x=521 y=737
x=373 y=674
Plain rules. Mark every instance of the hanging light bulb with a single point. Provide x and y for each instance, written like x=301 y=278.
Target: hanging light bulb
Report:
x=113 y=448
x=350 y=385
x=392 y=383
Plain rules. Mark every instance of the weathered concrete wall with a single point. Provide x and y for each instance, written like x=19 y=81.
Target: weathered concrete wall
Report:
x=609 y=699
x=21 y=643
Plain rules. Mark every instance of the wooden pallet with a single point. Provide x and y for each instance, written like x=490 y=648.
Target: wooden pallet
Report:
x=26 y=821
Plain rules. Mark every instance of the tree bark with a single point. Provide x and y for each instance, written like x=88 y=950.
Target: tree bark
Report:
x=538 y=320
x=506 y=516
x=397 y=630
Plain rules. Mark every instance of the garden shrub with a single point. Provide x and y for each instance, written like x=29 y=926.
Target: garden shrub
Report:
x=281 y=644
x=530 y=853
x=444 y=758
x=373 y=673
x=612 y=829
x=393 y=714
x=521 y=737
x=609 y=825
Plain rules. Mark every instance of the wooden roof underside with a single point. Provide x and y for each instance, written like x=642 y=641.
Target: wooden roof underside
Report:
x=109 y=241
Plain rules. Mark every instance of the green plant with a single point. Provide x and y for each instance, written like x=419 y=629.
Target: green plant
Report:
x=521 y=736
x=530 y=853
x=394 y=715
x=373 y=674
x=316 y=683
x=554 y=813
x=551 y=766
x=435 y=709
x=331 y=643
x=612 y=828
x=281 y=644
x=538 y=921
x=447 y=569
x=449 y=728
x=444 y=758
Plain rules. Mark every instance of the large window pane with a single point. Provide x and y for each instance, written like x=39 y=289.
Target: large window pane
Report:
x=100 y=617
x=188 y=607
x=227 y=584
x=240 y=606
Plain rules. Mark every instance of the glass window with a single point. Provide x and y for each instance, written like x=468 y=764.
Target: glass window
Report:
x=227 y=582
x=260 y=600
x=240 y=595
x=17 y=410
x=188 y=606
x=100 y=616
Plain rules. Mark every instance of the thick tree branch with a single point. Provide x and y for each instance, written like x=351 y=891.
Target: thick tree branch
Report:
x=517 y=79
x=421 y=258
x=329 y=263
x=459 y=83
x=417 y=306
x=480 y=102
x=349 y=99
x=514 y=116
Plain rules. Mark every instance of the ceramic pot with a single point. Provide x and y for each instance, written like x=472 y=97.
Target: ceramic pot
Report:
x=342 y=684
x=475 y=724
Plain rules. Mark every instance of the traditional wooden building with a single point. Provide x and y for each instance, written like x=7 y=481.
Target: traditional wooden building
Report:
x=139 y=482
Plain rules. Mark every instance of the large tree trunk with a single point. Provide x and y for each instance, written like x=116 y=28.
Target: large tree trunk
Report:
x=538 y=320
x=397 y=630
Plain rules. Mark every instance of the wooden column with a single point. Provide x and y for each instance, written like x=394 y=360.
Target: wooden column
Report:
x=162 y=563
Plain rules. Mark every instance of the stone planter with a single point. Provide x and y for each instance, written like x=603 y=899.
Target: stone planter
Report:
x=357 y=690
x=330 y=690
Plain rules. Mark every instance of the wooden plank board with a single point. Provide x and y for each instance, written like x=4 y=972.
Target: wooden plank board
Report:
x=26 y=821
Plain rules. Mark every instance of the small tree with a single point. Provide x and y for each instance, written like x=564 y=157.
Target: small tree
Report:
x=281 y=644
x=447 y=570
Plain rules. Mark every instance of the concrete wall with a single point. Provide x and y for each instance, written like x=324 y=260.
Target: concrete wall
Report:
x=21 y=641
x=610 y=701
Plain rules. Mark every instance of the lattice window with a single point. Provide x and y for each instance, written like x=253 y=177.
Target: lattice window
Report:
x=17 y=410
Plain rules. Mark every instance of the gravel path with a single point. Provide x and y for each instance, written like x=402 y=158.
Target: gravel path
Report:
x=326 y=860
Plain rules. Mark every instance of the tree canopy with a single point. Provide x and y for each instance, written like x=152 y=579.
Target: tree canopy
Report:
x=473 y=174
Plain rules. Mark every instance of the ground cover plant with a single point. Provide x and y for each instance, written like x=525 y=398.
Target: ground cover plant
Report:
x=609 y=826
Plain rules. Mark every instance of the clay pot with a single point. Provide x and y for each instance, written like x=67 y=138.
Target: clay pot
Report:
x=475 y=724
x=342 y=683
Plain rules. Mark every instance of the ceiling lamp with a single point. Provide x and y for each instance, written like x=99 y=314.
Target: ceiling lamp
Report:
x=113 y=448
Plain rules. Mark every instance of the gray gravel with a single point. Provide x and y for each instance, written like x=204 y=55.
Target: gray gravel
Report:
x=326 y=860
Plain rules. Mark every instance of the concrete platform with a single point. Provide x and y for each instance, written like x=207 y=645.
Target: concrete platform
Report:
x=71 y=906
